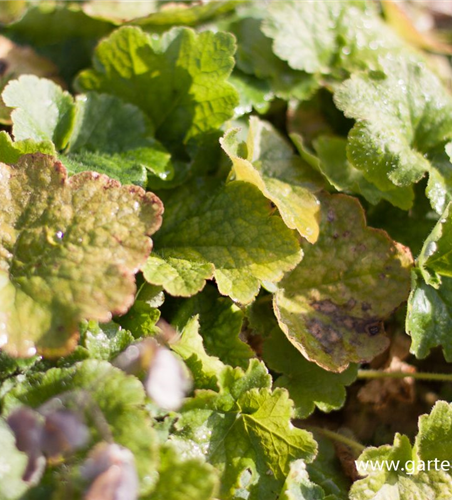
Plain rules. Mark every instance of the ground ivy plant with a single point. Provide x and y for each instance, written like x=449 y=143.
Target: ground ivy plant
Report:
x=225 y=258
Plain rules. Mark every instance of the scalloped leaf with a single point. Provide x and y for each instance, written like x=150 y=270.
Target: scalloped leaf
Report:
x=309 y=385
x=190 y=479
x=220 y=322
x=244 y=431
x=403 y=122
x=69 y=249
x=226 y=232
x=415 y=477
x=95 y=138
x=333 y=314
x=178 y=80
x=320 y=37
x=428 y=319
x=286 y=180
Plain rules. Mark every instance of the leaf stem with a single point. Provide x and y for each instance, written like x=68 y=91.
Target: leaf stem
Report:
x=441 y=377
x=335 y=436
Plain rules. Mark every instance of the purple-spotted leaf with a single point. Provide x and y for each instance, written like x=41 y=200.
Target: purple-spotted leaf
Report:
x=69 y=250
x=332 y=306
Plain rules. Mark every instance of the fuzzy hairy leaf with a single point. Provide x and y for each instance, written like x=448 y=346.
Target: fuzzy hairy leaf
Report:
x=69 y=249
x=332 y=305
x=268 y=162
x=224 y=232
x=403 y=122
x=179 y=80
x=244 y=431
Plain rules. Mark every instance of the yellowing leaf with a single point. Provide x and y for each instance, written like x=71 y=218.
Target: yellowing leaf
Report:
x=69 y=249
x=270 y=164
x=332 y=305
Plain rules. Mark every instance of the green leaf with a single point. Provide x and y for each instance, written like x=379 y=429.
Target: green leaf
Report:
x=298 y=486
x=343 y=176
x=333 y=314
x=327 y=471
x=244 y=431
x=142 y=317
x=118 y=396
x=220 y=322
x=43 y=111
x=255 y=57
x=96 y=139
x=428 y=318
x=12 y=466
x=179 y=80
x=268 y=162
x=435 y=433
x=318 y=37
x=104 y=341
x=417 y=475
x=100 y=136
x=309 y=385
x=69 y=249
x=403 y=121
x=225 y=232
x=253 y=93
x=10 y=151
x=399 y=485
x=190 y=347
x=190 y=479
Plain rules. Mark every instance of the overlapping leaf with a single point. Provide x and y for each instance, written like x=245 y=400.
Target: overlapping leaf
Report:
x=220 y=324
x=189 y=345
x=69 y=249
x=403 y=122
x=309 y=385
x=268 y=162
x=244 y=430
x=428 y=320
x=321 y=37
x=332 y=306
x=89 y=131
x=93 y=383
x=178 y=80
x=414 y=477
x=255 y=57
x=335 y=166
x=225 y=232
x=190 y=479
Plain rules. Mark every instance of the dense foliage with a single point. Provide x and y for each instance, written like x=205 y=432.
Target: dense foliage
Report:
x=292 y=164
